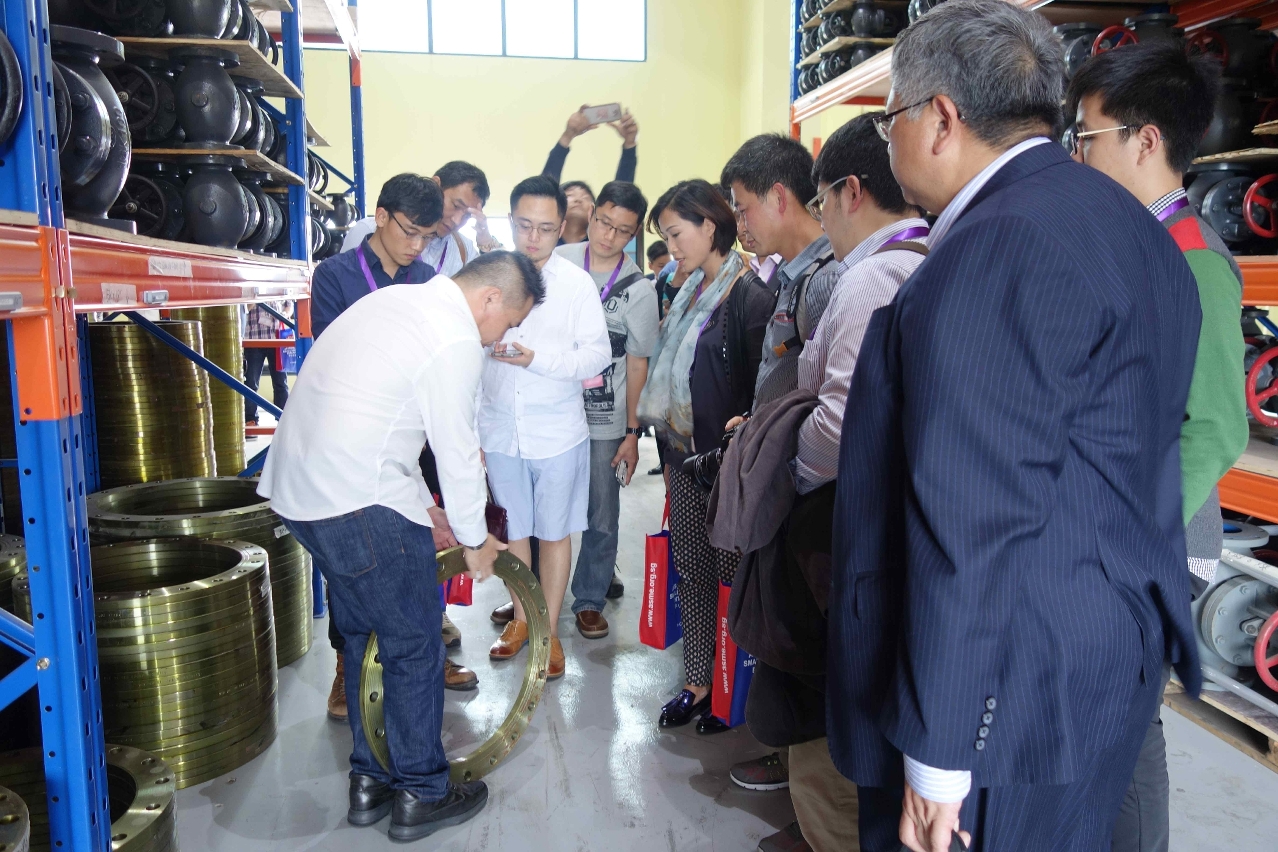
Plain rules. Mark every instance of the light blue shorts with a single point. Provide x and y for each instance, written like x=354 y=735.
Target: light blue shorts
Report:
x=547 y=498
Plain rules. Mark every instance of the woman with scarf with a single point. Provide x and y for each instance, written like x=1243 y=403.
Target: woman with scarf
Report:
x=700 y=376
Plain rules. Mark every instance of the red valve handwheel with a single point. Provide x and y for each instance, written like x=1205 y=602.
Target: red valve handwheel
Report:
x=1127 y=37
x=1211 y=43
x=1253 y=196
x=1269 y=114
x=1256 y=396
x=1266 y=665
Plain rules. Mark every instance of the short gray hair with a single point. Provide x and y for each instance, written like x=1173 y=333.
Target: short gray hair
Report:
x=1001 y=65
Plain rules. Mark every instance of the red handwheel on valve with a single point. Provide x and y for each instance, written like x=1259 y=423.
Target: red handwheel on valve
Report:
x=1266 y=666
x=1127 y=37
x=1209 y=42
x=1253 y=199
x=1257 y=395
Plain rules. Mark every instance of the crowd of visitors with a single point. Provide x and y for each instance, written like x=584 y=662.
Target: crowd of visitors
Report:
x=944 y=407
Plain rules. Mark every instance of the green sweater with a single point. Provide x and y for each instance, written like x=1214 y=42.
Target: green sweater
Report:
x=1215 y=431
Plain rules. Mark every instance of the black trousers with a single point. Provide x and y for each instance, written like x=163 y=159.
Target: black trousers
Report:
x=1144 y=821
x=254 y=359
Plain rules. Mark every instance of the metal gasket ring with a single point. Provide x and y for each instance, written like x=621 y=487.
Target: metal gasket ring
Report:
x=15 y=822
x=524 y=586
x=140 y=787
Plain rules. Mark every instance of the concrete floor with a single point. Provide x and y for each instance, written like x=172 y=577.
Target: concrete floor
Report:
x=593 y=771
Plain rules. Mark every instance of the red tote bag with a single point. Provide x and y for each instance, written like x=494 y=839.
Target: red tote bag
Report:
x=733 y=671
x=660 y=620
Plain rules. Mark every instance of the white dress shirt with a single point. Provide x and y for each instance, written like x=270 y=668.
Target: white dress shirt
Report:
x=867 y=282
x=536 y=412
x=398 y=367
x=953 y=785
x=442 y=253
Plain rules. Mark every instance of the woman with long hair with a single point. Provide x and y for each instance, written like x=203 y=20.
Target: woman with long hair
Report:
x=701 y=375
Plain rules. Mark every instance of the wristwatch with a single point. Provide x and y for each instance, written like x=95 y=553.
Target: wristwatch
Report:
x=632 y=431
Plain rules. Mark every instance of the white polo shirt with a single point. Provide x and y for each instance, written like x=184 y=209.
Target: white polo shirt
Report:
x=537 y=412
x=398 y=367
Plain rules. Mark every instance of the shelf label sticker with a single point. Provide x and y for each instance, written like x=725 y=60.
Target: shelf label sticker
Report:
x=174 y=267
x=281 y=531
x=119 y=294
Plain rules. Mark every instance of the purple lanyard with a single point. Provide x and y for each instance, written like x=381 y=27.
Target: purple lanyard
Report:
x=368 y=273
x=1175 y=207
x=907 y=234
x=603 y=297
x=444 y=255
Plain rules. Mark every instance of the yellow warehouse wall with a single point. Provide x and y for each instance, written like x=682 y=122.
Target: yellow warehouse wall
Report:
x=716 y=74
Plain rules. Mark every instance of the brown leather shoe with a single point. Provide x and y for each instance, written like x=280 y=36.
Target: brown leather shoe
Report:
x=458 y=677
x=511 y=641
x=337 y=695
x=557 y=662
x=503 y=614
x=592 y=625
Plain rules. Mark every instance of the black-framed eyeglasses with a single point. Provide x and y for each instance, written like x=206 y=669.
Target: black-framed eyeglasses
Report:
x=883 y=123
x=412 y=237
x=1073 y=138
x=818 y=201
x=616 y=229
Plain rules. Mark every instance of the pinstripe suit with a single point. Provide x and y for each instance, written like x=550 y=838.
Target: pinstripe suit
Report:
x=1009 y=550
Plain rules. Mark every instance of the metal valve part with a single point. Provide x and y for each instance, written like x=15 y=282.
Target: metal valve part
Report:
x=523 y=585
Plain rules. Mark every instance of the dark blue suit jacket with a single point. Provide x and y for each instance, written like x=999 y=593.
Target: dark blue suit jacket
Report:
x=1009 y=550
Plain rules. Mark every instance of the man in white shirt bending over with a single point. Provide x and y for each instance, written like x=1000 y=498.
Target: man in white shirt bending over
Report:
x=398 y=367
x=532 y=424
x=465 y=194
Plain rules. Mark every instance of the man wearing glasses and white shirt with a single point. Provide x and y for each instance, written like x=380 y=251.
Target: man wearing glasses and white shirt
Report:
x=532 y=424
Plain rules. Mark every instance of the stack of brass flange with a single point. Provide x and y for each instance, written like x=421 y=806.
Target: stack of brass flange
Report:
x=13 y=561
x=15 y=822
x=224 y=347
x=154 y=415
x=186 y=651
x=218 y=508
x=139 y=787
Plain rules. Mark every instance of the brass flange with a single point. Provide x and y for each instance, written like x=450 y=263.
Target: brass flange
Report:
x=524 y=586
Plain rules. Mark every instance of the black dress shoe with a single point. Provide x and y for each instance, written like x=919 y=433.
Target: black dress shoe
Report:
x=370 y=800
x=682 y=709
x=616 y=588
x=710 y=724
x=413 y=817
x=656 y=471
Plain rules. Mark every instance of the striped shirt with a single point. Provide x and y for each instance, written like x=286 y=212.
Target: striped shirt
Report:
x=867 y=281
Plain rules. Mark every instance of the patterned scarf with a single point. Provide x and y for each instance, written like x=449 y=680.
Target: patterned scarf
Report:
x=666 y=401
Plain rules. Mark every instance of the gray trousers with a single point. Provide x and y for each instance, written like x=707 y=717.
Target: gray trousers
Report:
x=598 y=554
x=1143 y=822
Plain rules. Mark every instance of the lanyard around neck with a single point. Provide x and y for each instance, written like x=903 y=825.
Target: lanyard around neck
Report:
x=908 y=234
x=368 y=272
x=1175 y=207
x=603 y=297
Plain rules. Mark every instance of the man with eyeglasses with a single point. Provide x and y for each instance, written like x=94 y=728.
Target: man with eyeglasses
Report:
x=1009 y=554
x=408 y=209
x=448 y=250
x=630 y=309
x=532 y=425
x=770 y=178
x=1140 y=112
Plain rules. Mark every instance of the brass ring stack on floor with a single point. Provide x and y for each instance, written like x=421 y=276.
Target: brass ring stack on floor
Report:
x=139 y=787
x=13 y=562
x=186 y=651
x=218 y=508
x=154 y=415
x=15 y=822
x=524 y=586
x=223 y=346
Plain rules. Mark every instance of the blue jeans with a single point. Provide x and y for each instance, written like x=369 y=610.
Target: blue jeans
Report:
x=598 y=554
x=381 y=570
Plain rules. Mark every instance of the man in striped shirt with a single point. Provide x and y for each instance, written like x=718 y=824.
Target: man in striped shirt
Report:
x=879 y=241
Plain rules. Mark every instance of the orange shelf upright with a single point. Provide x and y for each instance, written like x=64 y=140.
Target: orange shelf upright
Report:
x=44 y=337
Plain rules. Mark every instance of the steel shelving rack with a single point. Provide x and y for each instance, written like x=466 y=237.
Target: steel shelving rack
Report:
x=52 y=273
x=1252 y=486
